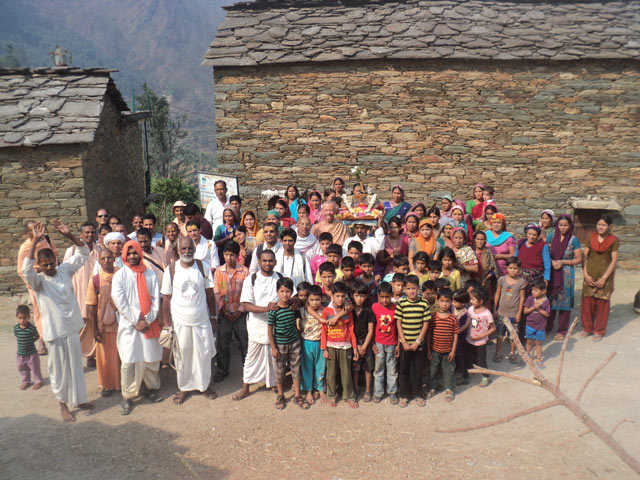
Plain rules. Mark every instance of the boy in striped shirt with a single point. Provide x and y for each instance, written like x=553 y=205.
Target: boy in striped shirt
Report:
x=412 y=316
x=28 y=360
x=285 y=342
x=443 y=340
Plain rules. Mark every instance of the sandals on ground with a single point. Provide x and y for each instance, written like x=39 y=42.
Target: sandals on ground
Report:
x=353 y=403
x=280 y=402
x=448 y=396
x=302 y=402
x=180 y=397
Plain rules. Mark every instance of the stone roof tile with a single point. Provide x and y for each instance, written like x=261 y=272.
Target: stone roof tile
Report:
x=347 y=29
x=60 y=105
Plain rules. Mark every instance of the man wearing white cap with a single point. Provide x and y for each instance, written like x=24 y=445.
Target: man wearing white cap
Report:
x=217 y=205
x=181 y=219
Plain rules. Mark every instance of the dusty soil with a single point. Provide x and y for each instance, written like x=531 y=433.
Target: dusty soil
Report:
x=226 y=439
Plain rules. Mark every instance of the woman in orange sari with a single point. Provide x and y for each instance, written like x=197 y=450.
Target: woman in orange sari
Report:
x=425 y=242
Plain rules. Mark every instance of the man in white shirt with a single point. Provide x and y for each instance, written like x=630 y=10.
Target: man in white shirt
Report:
x=61 y=318
x=188 y=304
x=205 y=250
x=217 y=205
x=306 y=243
x=370 y=245
x=259 y=296
x=271 y=242
x=290 y=262
x=136 y=294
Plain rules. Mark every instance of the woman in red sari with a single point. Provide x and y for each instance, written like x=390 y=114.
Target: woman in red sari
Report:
x=395 y=243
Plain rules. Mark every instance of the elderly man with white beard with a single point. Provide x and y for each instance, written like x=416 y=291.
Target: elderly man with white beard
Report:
x=188 y=303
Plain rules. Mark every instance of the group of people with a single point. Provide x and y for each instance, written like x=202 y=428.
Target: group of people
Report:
x=412 y=300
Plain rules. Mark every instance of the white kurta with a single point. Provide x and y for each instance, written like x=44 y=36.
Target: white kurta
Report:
x=260 y=294
x=207 y=251
x=133 y=347
x=190 y=314
x=296 y=267
x=214 y=211
x=255 y=266
x=56 y=297
x=81 y=277
x=370 y=244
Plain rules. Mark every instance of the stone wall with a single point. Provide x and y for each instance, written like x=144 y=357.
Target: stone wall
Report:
x=37 y=183
x=540 y=133
x=68 y=182
x=114 y=167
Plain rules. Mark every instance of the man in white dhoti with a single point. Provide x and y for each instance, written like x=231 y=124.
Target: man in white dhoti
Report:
x=136 y=294
x=80 y=284
x=61 y=319
x=259 y=295
x=188 y=303
x=290 y=262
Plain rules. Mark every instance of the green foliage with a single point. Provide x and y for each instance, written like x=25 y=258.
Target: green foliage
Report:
x=167 y=191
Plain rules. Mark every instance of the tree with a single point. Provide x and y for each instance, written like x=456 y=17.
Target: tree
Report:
x=167 y=191
x=165 y=134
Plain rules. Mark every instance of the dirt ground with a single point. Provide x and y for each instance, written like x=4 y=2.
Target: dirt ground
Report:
x=226 y=439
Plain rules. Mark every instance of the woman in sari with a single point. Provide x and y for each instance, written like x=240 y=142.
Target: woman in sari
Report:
x=446 y=229
x=478 y=190
x=411 y=223
x=247 y=245
x=396 y=207
x=286 y=221
x=600 y=257
x=419 y=209
x=533 y=252
x=315 y=207
x=225 y=231
x=467 y=259
x=425 y=242
x=565 y=254
x=294 y=200
x=457 y=214
x=433 y=214
x=249 y=220
x=446 y=202
x=501 y=243
x=487 y=268
x=546 y=223
x=395 y=243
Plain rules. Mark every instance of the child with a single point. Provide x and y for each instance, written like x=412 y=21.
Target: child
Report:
x=327 y=274
x=537 y=308
x=487 y=193
x=397 y=287
x=354 y=250
x=338 y=342
x=367 y=262
x=509 y=301
x=364 y=324
x=448 y=259
x=386 y=348
x=412 y=316
x=444 y=341
x=400 y=265
x=348 y=267
x=435 y=269
x=28 y=360
x=460 y=303
x=429 y=293
x=481 y=326
x=324 y=240
x=303 y=292
x=285 y=343
x=420 y=261
x=441 y=283
x=334 y=254
x=313 y=362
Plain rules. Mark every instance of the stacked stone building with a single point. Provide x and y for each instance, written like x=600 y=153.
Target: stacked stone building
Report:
x=539 y=99
x=68 y=145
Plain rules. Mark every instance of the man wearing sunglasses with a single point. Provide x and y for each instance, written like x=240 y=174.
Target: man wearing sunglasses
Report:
x=102 y=217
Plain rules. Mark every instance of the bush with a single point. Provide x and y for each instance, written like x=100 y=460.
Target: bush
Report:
x=167 y=191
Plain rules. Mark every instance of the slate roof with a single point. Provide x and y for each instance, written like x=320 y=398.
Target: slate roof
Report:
x=282 y=31
x=43 y=106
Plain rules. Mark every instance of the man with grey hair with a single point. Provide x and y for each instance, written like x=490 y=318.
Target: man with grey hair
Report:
x=188 y=303
x=331 y=224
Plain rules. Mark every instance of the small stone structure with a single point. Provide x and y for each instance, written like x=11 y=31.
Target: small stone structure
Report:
x=68 y=145
x=539 y=99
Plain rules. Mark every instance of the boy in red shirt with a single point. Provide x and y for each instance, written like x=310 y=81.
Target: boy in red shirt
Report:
x=338 y=342
x=386 y=347
x=443 y=341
